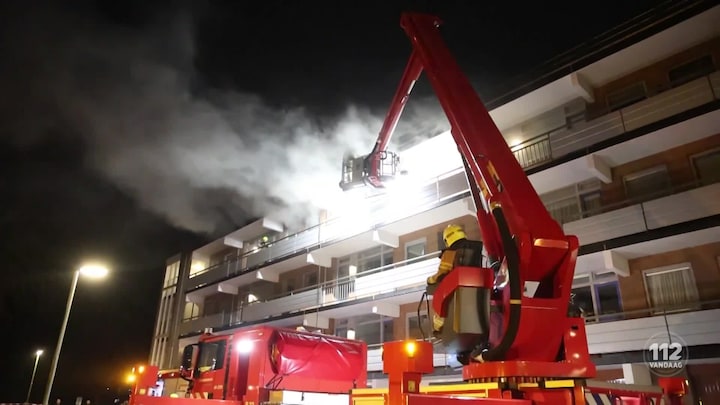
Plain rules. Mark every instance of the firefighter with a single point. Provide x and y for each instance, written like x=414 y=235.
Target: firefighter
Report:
x=459 y=251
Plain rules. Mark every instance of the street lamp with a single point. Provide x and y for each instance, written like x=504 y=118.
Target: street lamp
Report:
x=92 y=270
x=32 y=379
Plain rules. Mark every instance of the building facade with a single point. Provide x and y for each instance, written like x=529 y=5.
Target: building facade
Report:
x=624 y=151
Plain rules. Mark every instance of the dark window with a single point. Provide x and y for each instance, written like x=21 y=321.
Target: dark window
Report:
x=692 y=70
x=608 y=298
x=574 y=120
x=372 y=259
x=707 y=167
x=311 y=279
x=413 y=326
x=626 y=96
x=564 y=211
x=653 y=182
x=582 y=297
x=591 y=204
x=388 y=333
x=372 y=329
x=414 y=250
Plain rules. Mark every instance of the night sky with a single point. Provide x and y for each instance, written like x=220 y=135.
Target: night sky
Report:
x=103 y=143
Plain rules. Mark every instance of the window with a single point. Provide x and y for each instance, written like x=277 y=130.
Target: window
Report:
x=598 y=295
x=373 y=329
x=565 y=210
x=582 y=297
x=608 y=298
x=192 y=311
x=575 y=119
x=310 y=279
x=171 y=274
x=211 y=356
x=573 y=202
x=367 y=260
x=413 y=327
x=653 y=182
x=591 y=204
x=229 y=257
x=415 y=249
x=707 y=167
x=626 y=96
x=691 y=70
x=671 y=288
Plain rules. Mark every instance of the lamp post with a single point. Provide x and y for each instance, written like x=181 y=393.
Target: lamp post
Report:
x=32 y=379
x=90 y=271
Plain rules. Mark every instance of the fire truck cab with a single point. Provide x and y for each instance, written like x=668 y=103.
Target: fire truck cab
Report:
x=264 y=364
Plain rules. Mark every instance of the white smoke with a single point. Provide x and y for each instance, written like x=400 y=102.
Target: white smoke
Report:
x=199 y=160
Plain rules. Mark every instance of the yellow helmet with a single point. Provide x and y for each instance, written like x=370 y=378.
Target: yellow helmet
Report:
x=452 y=234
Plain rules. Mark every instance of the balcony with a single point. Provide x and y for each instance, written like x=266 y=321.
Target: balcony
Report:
x=697 y=326
x=598 y=226
x=388 y=283
x=452 y=185
x=562 y=141
x=385 y=209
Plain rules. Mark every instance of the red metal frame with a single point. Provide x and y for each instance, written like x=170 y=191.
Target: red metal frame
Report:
x=515 y=225
x=547 y=359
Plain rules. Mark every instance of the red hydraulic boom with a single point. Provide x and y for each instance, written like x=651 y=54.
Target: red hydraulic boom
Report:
x=537 y=337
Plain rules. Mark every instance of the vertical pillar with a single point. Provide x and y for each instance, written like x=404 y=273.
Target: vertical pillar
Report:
x=400 y=384
x=637 y=374
x=405 y=362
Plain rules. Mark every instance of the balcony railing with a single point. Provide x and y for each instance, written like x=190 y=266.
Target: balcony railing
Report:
x=657 y=213
x=435 y=192
x=570 y=209
x=539 y=150
x=695 y=322
x=564 y=140
x=410 y=277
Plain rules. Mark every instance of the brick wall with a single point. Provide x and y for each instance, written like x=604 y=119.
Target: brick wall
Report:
x=678 y=163
x=655 y=75
x=704 y=260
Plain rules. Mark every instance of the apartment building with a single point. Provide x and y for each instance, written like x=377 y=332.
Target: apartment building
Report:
x=624 y=151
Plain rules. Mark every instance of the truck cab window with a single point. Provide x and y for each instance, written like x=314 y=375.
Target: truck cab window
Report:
x=212 y=355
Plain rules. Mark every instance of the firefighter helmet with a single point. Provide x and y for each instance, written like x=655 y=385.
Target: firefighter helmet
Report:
x=452 y=234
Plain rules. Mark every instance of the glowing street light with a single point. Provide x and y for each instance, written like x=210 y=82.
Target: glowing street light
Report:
x=91 y=270
x=94 y=270
x=32 y=379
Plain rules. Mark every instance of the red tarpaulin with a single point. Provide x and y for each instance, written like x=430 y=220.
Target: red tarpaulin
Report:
x=317 y=356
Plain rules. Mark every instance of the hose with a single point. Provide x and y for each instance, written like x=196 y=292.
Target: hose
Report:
x=512 y=256
x=425 y=298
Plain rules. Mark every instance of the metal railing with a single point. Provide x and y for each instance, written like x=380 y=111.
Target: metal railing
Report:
x=664 y=311
x=563 y=140
x=570 y=209
x=329 y=292
x=345 y=286
x=538 y=150
x=443 y=187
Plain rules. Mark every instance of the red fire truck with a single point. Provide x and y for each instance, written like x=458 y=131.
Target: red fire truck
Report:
x=260 y=365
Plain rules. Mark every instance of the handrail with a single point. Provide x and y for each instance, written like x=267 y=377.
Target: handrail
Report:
x=349 y=278
x=672 y=189
x=656 y=311
x=329 y=222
